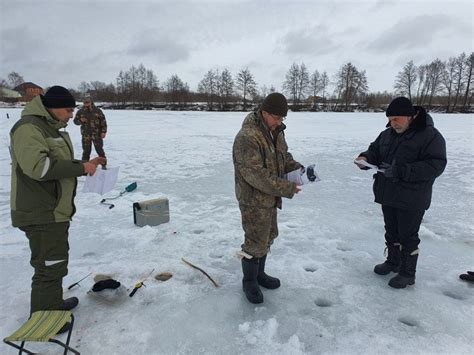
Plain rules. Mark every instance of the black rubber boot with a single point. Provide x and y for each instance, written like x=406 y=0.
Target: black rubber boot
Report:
x=69 y=303
x=406 y=276
x=265 y=280
x=392 y=264
x=249 y=282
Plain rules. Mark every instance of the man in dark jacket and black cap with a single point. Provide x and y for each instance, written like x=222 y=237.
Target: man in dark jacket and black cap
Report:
x=410 y=154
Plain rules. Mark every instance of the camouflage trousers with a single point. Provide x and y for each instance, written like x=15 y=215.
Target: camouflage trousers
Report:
x=260 y=227
x=87 y=146
x=49 y=257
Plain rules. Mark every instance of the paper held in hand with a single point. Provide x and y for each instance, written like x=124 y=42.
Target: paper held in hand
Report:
x=102 y=181
x=303 y=176
x=368 y=165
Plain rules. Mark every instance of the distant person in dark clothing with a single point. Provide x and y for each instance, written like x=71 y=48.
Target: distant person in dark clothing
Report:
x=410 y=154
x=93 y=128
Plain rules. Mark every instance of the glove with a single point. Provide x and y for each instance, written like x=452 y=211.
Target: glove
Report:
x=392 y=171
x=469 y=276
x=103 y=284
x=310 y=173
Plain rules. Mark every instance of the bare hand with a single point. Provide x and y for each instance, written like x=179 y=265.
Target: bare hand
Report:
x=297 y=189
x=98 y=161
x=103 y=135
x=83 y=120
x=360 y=158
x=90 y=168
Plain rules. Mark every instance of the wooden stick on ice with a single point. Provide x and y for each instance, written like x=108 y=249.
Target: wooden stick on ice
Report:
x=205 y=273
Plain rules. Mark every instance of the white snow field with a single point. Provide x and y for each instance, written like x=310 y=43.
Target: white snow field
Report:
x=331 y=236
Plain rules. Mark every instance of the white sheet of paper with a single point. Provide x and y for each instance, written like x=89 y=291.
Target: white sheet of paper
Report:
x=102 y=181
x=370 y=166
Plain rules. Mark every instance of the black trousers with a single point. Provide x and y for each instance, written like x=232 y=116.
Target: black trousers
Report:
x=402 y=226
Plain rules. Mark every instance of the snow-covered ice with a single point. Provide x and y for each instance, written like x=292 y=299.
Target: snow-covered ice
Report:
x=331 y=235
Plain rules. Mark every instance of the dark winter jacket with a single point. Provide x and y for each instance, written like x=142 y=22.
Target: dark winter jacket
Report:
x=260 y=163
x=418 y=157
x=95 y=124
x=44 y=170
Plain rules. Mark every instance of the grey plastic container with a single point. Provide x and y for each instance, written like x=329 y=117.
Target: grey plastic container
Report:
x=151 y=212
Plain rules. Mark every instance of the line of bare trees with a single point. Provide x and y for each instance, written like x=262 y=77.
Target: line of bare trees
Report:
x=452 y=79
x=446 y=85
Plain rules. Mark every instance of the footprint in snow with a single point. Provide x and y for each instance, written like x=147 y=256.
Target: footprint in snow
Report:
x=322 y=302
x=310 y=268
x=455 y=295
x=198 y=231
x=408 y=321
x=85 y=255
x=343 y=248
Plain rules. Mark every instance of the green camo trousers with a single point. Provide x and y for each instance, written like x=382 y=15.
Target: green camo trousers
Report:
x=49 y=257
x=260 y=227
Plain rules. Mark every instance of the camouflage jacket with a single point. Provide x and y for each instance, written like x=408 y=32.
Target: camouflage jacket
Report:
x=260 y=163
x=95 y=124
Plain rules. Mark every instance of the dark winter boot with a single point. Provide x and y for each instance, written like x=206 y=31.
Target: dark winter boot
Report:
x=249 y=282
x=406 y=276
x=69 y=303
x=265 y=280
x=392 y=264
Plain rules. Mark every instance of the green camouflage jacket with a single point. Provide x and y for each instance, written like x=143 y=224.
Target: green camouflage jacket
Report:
x=260 y=164
x=44 y=171
x=95 y=124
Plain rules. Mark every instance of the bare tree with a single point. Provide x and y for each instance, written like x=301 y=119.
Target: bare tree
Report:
x=225 y=87
x=176 y=90
x=435 y=74
x=246 y=85
x=315 y=85
x=469 y=82
x=350 y=84
x=290 y=85
x=208 y=86
x=423 y=84
x=406 y=79
x=460 y=67
x=448 y=79
x=15 y=79
x=324 y=84
x=296 y=82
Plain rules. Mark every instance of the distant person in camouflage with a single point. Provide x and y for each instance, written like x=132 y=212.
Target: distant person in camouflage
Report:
x=93 y=128
x=261 y=159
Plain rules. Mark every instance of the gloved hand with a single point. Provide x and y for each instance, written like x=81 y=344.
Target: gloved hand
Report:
x=310 y=173
x=391 y=171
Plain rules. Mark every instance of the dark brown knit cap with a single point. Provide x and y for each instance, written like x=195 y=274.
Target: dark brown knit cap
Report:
x=276 y=104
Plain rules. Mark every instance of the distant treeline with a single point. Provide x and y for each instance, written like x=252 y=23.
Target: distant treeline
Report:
x=445 y=86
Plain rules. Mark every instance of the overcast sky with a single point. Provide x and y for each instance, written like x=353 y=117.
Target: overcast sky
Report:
x=65 y=42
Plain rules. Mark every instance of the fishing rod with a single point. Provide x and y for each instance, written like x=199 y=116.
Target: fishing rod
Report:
x=140 y=284
x=77 y=283
x=129 y=188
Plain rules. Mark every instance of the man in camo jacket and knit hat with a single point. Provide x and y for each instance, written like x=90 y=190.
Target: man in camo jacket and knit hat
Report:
x=93 y=128
x=261 y=160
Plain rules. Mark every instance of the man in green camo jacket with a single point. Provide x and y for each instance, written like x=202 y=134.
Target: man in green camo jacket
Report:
x=43 y=187
x=93 y=128
x=261 y=160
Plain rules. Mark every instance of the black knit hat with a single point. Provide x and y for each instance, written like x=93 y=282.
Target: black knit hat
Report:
x=400 y=106
x=58 y=97
x=276 y=104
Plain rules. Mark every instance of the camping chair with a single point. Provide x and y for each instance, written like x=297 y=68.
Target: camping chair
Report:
x=43 y=326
